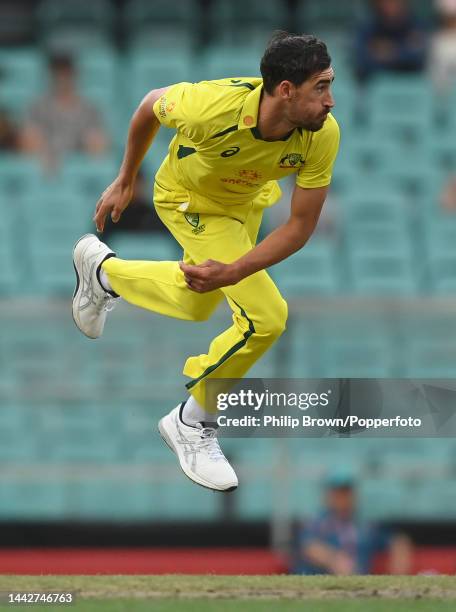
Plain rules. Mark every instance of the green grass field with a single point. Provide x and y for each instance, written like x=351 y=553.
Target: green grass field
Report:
x=247 y=593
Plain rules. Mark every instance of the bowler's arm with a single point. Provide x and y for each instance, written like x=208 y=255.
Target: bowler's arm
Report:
x=306 y=205
x=144 y=126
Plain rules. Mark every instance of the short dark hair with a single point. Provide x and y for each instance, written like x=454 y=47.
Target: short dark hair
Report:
x=292 y=57
x=60 y=61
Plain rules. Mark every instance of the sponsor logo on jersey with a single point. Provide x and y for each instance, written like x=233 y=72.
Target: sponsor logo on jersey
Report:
x=162 y=107
x=292 y=160
x=253 y=175
x=239 y=181
x=230 y=152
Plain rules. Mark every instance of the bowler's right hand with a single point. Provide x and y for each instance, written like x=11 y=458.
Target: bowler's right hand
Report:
x=114 y=200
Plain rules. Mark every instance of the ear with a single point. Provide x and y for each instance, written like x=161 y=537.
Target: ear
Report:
x=285 y=89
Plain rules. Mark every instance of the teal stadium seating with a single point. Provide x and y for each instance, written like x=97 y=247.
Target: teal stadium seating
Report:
x=148 y=69
x=441 y=243
x=22 y=75
x=73 y=25
x=331 y=14
x=241 y=62
x=250 y=22
x=163 y=26
x=100 y=80
x=401 y=107
x=310 y=271
x=151 y=246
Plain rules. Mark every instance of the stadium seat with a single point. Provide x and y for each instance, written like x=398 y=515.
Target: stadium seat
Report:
x=367 y=151
x=101 y=69
x=383 y=499
x=443 y=273
x=382 y=274
x=312 y=271
x=379 y=240
x=10 y=268
x=440 y=234
x=371 y=210
x=19 y=174
x=217 y=64
x=312 y=16
x=255 y=501
x=441 y=148
x=431 y=358
x=156 y=246
x=72 y=25
x=169 y=499
x=61 y=220
x=49 y=499
x=246 y=21
x=148 y=69
x=401 y=106
x=162 y=26
x=89 y=176
x=22 y=76
x=109 y=499
x=344 y=92
x=99 y=79
x=366 y=356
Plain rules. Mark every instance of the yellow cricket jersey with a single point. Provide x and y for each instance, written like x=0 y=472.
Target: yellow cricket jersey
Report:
x=218 y=161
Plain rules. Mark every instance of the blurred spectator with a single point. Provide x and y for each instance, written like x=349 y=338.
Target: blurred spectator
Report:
x=9 y=138
x=62 y=120
x=449 y=196
x=442 y=64
x=139 y=216
x=338 y=542
x=392 y=40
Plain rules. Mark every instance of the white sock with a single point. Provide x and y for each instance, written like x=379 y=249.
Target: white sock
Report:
x=104 y=280
x=193 y=413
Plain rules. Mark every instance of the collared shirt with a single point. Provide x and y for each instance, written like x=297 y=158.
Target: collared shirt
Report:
x=218 y=153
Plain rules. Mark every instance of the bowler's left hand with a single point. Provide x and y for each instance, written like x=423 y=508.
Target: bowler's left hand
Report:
x=209 y=275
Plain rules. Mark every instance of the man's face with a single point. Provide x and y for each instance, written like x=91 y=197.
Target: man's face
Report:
x=391 y=10
x=341 y=500
x=63 y=78
x=308 y=104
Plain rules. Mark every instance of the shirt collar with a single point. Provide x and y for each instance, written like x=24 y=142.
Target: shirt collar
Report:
x=249 y=112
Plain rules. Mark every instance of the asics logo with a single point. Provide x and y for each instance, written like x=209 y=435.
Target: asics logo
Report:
x=230 y=152
x=87 y=289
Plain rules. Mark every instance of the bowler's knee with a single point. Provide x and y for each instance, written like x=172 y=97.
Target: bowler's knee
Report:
x=275 y=321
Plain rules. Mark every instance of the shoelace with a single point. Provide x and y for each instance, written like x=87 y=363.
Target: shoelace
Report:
x=108 y=303
x=210 y=443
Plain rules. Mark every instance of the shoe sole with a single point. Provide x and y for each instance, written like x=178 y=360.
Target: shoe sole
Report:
x=78 y=284
x=189 y=473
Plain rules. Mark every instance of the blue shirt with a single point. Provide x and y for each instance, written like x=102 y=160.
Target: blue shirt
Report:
x=359 y=540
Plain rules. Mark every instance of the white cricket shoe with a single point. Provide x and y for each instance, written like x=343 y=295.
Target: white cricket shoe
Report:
x=90 y=301
x=198 y=451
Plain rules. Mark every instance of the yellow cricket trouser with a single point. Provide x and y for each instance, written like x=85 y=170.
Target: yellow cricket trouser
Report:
x=259 y=311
